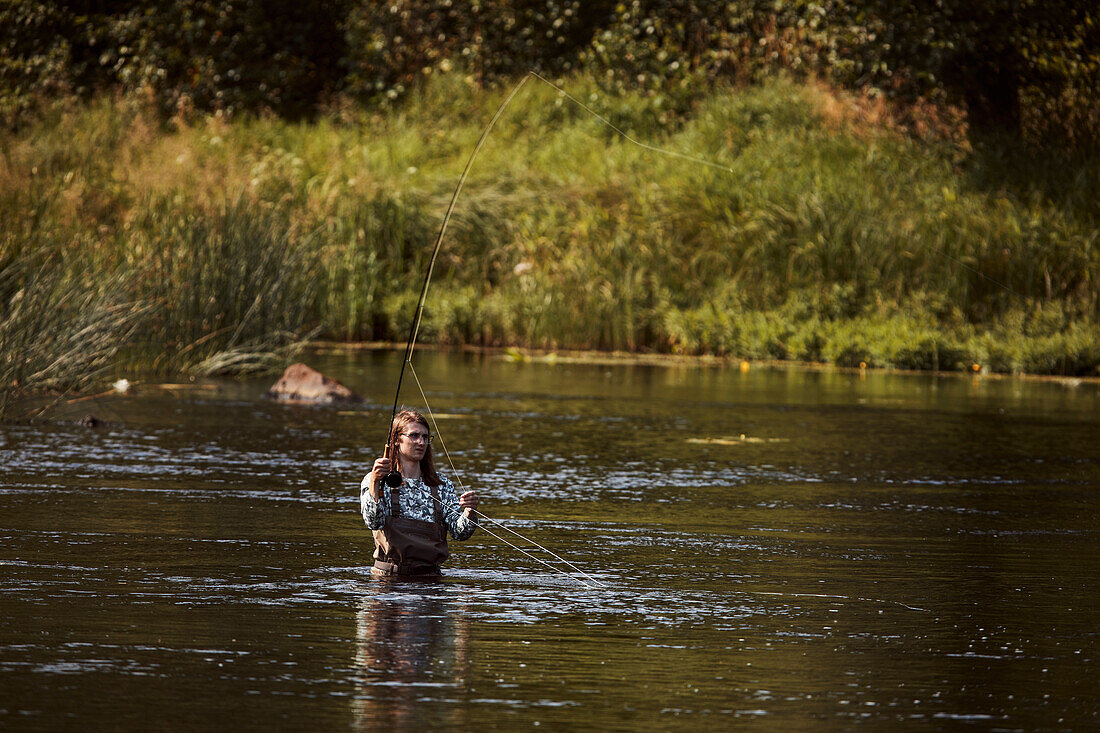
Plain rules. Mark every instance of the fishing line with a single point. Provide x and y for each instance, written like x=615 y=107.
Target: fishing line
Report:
x=452 y=510
x=461 y=485
x=639 y=143
x=977 y=272
x=520 y=549
x=728 y=169
x=394 y=478
x=414 y=327
x=843 y=598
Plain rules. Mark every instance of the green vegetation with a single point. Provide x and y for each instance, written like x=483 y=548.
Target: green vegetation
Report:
x=219 y=246
x=1028 y=67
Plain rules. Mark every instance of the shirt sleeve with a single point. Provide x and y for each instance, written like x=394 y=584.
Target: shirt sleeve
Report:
x=458 y=524
x=375 y=513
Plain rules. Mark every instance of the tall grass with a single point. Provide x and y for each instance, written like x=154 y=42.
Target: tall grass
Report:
x=60 y=329
x=233 y=286
x=220 y=246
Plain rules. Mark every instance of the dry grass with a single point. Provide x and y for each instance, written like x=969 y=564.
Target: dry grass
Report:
x=867 y=113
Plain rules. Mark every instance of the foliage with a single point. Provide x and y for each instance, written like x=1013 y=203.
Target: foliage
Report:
x=670 y=50
x=1015 y=65
x=283 y=56
x=1024 y=66
x=391 y=47
x=826 y=239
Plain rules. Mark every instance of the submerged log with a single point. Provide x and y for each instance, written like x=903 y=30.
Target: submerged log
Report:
x=301 y=383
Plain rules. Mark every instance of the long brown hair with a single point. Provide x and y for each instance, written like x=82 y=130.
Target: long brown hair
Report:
x=427 y=466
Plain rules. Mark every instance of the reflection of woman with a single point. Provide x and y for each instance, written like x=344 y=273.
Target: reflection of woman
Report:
x=411 y=649
x=411 y=522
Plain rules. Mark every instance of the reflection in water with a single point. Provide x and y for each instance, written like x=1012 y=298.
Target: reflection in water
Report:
x=408 y=640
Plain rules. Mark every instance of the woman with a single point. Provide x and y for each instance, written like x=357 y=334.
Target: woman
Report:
x=411 y=522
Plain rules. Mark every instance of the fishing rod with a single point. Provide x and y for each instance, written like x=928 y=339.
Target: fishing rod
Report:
x=393 y=478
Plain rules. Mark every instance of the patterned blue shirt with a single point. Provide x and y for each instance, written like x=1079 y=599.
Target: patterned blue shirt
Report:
x=415 y=502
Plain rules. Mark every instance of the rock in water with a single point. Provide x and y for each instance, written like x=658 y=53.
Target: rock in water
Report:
x=301 y=383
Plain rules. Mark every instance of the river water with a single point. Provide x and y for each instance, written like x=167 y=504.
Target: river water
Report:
x=774 y=548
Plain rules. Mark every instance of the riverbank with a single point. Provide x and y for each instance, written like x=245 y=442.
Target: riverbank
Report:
x=43 y=407
x=221 y=247
x=519 y=355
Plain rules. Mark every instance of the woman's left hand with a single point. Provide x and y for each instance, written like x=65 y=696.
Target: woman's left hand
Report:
x=469 y=500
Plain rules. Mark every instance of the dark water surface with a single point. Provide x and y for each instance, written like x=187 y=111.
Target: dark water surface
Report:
x=900 y=551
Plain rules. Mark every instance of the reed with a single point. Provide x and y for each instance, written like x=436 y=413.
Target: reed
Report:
x=234 y=286
x=59 y=331
x=219 y=246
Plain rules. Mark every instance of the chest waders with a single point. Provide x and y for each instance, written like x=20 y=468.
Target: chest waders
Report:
x=410 y=546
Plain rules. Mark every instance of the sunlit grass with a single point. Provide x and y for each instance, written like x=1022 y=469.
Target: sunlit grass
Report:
x=828 y=239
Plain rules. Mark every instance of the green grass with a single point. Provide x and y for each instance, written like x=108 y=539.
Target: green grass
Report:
x=219 y=246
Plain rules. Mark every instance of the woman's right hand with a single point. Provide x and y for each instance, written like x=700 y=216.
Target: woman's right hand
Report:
x=377 y=473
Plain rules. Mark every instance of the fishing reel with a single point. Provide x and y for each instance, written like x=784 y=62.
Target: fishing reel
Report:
x=394 y=478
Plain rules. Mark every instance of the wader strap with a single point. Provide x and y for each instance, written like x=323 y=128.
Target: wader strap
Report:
x=438 y=505
x=395 y=504
x=389 y=568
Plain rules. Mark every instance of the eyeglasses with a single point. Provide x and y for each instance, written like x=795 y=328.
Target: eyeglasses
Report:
x=417 y=437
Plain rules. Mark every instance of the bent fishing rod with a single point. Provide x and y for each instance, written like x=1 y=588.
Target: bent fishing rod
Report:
x=393 y=478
